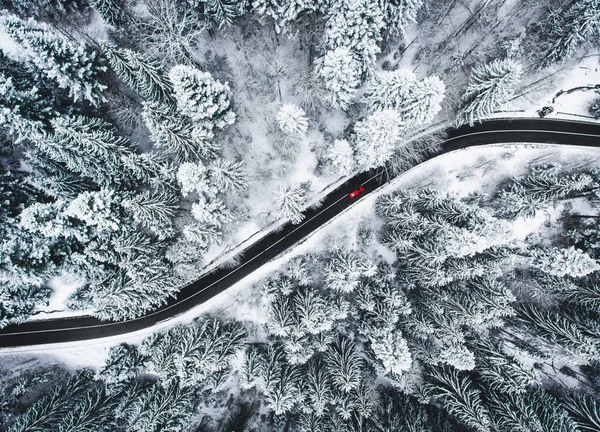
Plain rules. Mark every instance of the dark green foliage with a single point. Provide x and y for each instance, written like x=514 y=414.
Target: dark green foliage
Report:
x=396 y=411
x=113 y=11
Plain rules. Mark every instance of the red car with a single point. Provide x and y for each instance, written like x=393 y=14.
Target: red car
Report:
x=355 y=192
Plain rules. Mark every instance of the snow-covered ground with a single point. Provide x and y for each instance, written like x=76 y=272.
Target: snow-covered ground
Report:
x=460 y=172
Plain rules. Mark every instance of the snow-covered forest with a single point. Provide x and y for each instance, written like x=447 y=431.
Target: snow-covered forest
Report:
x=144 y=139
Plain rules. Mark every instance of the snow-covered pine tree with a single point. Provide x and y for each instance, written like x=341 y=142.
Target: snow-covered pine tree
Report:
x=310 y=311
x=251 y=369
x=70 y=65
x=392 y=351
x=23 y=111
x=389 y=89
x=417 y=101
x=160 y=407
x=192 y=177
x=154 y=211
x=339 y=73
x=113 y=12
x=504 y=372
x=458 y=356
x=228 y=175
x=536 y=410
x=355 y=25
x=399 y=14
x=341 y=157
x=289 y=202
x=122 y=297
x=212 y=211
x=317 y=386
x=460 y=398
x=344 y=364
x=202 y=235
x=564 y=262
x=281 y=316
x=491 y=86
x=567 y=28
x=585 y=409
x=284 y=12
x=542 y=185
x=561 y=332
x=100 y=209
x=292 y=120
x=47 y=413
x=140 y=73
x=344 y=269
x=176 y=135
x=376 y=138
x=200 y=97
x=88 y=146
x=224 y=11
x=284 y=393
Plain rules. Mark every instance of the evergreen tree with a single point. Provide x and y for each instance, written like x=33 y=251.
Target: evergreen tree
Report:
x=542 y=185
x=344 y=269
x=491 y=86
x=289 y=202
x=356 y=25
x=154 y=211
x=339 y=73
x=140 y=73
x=89 y=147
x=318 y=387
x=23 y=112
x=113 y=12
x=201 y=97
x=212 y=212
x=283 y=394
x=564 y=262
x=251 y=369
x=224 y=11
x=161 y=408
x=585 y=409
x=460 y=398
x=228 y=175
x=568 y=27
x=68 y=64
x=193 y=177
x=48 y=412
x=561 y=332
x=283 y=12
x=392 y=351
x=417 y=101
x=344 y=364
x=281 y=318
x=177 y=136
x=202 y=235
x=292 y=120
x=399 y=14
x=376 y=138
x=341 y=157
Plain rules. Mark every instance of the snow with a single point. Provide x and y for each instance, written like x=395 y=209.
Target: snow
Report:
x=11 y=48
x=62 y=287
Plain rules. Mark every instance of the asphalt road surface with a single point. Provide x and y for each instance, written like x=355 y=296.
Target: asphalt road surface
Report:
x=272 y=245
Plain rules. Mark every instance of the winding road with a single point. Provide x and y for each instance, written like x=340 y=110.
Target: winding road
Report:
x=489 y=132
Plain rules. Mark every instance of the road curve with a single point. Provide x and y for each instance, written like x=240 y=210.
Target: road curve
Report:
x=488 y=132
